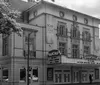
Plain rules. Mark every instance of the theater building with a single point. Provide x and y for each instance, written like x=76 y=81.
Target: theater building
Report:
x=64 y=47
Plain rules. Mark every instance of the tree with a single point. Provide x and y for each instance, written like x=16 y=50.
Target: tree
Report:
x=8 y=16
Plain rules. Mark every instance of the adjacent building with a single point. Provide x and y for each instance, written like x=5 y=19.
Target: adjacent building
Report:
x=63 y=47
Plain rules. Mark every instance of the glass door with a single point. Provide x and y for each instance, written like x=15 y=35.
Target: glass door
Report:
x=84 y=76
x=58 y=76
x=76 y=77
x=67 y=76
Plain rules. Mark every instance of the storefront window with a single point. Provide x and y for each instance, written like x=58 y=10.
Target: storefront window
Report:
x=58 y=76
x=84 y=76
x=96 y=73
x=35 y=74
x=5 y=75
x=76 y=76
x=50 y=74
x=23 y=75
x=67 y=77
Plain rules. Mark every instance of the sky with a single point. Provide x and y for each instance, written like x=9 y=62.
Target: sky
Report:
x=90 y=7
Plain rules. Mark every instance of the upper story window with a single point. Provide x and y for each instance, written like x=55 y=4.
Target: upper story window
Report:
x=75 y=51
x=62 y=48
x=35 y=13
x=62 y=29
x=61 y=13
x=32 y=43
x=85 y=20
x=5 y=47
x=86 y=36
x=86 y=50
x=74 y=18
x=25 y=17
x=75 y=33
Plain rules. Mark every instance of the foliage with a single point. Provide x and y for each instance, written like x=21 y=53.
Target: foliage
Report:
x=8 y=16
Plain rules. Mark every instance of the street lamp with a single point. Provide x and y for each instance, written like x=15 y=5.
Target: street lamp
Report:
x=28 y=57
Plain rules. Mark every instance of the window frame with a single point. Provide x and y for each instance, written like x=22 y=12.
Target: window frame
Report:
x=62 y=47
x=31 y=43
x=5 y=48
x=23 y=80
x=75 y=50
x=96 y=73
x=62 y=29
x=75 y=33
x=87 y=51
x=3 y=75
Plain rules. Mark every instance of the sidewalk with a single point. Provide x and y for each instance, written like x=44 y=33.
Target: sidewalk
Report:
x=96 y=83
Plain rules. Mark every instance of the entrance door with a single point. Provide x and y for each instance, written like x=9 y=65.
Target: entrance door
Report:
x=76 y=77
x=84 y=76
x=67 y=76
x=58 y=76
x=92 y=74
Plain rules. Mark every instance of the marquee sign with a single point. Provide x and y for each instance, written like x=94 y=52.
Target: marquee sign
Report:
x=91 y=57
x=54 y=57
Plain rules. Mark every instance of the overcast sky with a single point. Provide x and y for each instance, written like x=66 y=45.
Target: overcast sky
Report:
x=90 y=7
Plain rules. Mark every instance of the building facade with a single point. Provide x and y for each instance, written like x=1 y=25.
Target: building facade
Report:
x=63 y=47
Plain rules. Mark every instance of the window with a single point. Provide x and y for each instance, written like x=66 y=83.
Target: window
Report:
x=61 y=13
x=84 y=76
x=62 y=48
x=35 y=13
x=5 y=75
x=86 y=36
x=76 y=76
x=86 y=50
x=58 y=78
x=74 y=17
x=62 y=29
x=96 y=73
x=50 y=74
x=85 y=20
x=75 y=32
x=35 y=74
x=75 y=51
x=32 y=52
x=5 y=44
x=66 y=75
x=23 y=75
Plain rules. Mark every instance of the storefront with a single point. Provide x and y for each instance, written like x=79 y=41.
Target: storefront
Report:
x=64 y=70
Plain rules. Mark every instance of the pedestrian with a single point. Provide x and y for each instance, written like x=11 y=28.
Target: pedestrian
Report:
x=90 y=78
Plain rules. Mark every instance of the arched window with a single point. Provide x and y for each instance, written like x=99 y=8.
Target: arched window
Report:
x=62 y=29
x=75 y=33
x=86 y=36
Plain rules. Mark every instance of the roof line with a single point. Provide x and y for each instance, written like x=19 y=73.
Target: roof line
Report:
x=43 y=1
